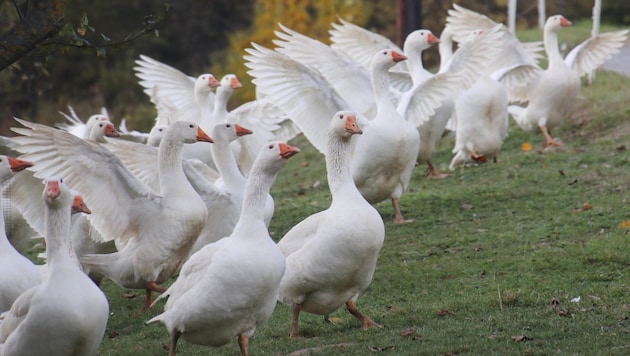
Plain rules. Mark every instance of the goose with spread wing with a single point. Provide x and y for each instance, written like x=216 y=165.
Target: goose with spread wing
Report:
x=384 y=156
x=153 y=231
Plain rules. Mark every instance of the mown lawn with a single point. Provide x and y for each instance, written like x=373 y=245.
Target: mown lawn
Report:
x=525 y=256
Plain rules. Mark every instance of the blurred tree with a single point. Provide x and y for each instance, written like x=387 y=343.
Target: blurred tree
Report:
x=312 y=18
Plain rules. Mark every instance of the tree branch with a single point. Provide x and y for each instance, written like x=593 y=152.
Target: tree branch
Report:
x=42 y=21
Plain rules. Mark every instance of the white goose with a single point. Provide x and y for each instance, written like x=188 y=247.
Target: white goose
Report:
x=331 y=255
x=66 y=314
x=229 y=288
x=17 y=273
x=151 y=246
x=553 y=95
x=224 y=215
x=385 y=155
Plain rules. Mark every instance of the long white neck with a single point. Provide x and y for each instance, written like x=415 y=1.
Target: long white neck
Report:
x=223 y=94
x=4 y=240
x=338 y=166
x=205 y=103
x=226 y=164
x=415 y=65
x=380 y=85
x=259 y=183
x=172 y=178
x=59 y=251
x=551 y=47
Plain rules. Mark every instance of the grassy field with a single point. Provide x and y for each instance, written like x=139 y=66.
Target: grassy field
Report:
x=525 y=256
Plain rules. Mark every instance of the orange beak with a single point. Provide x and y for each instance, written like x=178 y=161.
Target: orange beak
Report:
x=241 y=131
x=397 y=57
x=213 y=82
x=287 y=151
x=564 y=22
x=79 y=206
x=53 y=189
x=18 y=164
x=235 y=83
x=110 y=131
x=433 y=39
x=202 y=136
x=352 y=127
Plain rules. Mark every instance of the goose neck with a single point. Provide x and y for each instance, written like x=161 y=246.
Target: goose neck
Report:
x=220 y=103
x=380 y=85
x=226 y=163
x=257 y=189
x=551 y=46
x=59 y=249
x=170 y=167
x=338 y=165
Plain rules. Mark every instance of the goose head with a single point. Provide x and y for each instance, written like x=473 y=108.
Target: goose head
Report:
x=387 y=58
x=344 y=124
x=274 y=156
x=554 y=23
x=102 y=129
x=228 y=132
x=419 y=40
x=230 y=81
x=56 y=193
x=93 y=120
x=186 y=132
x=205 y=83
x=156 y=134
x=10 y=165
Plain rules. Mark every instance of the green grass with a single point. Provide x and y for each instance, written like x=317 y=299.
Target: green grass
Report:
x=490 y=250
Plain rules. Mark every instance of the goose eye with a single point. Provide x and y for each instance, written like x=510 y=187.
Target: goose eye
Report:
x=385 y=53
x=160 y=130
x=100 y=125
x=341 y=116
x=228 y=125
x=270 y=147
x=60 y=180
x=191 y=126
x=0 y=159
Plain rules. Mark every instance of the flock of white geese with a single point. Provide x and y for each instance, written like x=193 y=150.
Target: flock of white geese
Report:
x=192 y=201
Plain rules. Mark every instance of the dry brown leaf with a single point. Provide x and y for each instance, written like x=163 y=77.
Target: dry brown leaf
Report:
x=334 y=320
x=444 y=312
x=526 y=147
x=129 y=295
x=407 y=332
x=114 y=334
x=625 y=224
x=305 y=164
x=467 y=206
x=393 y=308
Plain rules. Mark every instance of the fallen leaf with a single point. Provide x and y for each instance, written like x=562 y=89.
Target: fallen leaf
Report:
x=113 y=334
x=129 y=295
x=584 y=207
x=519 y=338
x=317 y=184
x=563 y=312
x=561 y=172
x=625 y=224
x=573 y=182
x=305 y=164
x=407 y=332
x=393 y=308
x=444 y=312
x=595 y=298
x=526 y=147
x=467 y=206
x=621 y=148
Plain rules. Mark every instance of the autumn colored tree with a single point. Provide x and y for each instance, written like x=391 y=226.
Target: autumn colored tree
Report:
x=312 y=18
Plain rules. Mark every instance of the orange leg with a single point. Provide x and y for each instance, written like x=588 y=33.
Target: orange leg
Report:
x=431 y=172
x=549 y=139
x=243 y=343
x=297 y=308
x=151 y=287
x=174 y=337
x=477 y=157
x=366 y=322
x=398 y=219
